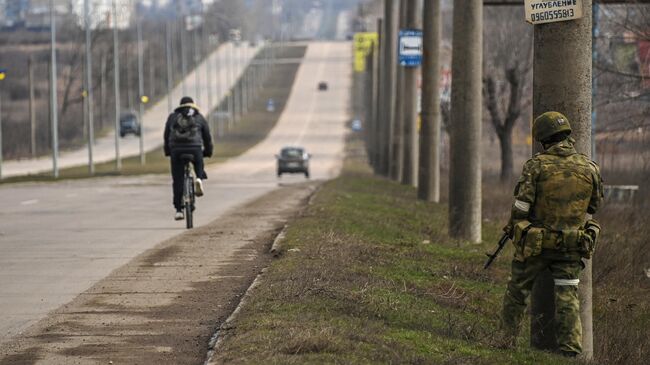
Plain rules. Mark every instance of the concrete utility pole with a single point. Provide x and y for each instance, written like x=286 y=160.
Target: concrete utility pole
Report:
x=375 y=122
x=219 y=93
x=197 y=64
x=183 y=55
x=53 y=93
x=244 y=80
x=208 y=74
x=389 y=70
x=410 y=121
x=240 y=80
x=102 y=90
x=562 y=73
x=228 y=89
x=141 y=102
x=116 y=83
x=32 y=106
x=235 y=95
x=0 y=137
x=466 y=110
x=89 y=89
x=397 y=153
x=429 y=167
x=170 y=71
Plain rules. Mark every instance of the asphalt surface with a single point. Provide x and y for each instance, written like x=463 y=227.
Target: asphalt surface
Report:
x=59 y=239
x=228 y=59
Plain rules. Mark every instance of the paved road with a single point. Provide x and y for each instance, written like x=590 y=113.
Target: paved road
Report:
x=228 y=59
x=58 y=239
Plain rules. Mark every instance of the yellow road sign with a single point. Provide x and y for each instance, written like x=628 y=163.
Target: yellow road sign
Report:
x=363 y=43
x=3 y=75
x=144 y=99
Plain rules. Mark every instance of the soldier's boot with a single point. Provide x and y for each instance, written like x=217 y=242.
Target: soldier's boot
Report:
x=567 y=319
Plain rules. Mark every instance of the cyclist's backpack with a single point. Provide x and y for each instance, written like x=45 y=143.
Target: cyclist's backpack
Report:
x=184 y=129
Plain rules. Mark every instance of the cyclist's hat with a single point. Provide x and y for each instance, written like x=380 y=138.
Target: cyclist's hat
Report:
x=187 y=100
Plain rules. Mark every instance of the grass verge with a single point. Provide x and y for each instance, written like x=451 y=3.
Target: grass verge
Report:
x=250 y=130
x=368 y=275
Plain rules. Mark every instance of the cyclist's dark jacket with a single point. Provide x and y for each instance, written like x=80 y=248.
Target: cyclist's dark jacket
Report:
x=202 y=138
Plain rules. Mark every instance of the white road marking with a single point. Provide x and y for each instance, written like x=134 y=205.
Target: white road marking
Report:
x=29 y=202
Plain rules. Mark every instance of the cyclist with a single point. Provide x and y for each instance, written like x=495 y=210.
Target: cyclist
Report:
x=187 y=132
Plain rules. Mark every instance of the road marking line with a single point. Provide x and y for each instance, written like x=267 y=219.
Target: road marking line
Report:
x=314 y=95
x=29 y=202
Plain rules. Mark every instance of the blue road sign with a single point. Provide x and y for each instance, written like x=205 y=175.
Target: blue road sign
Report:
x=410 y=47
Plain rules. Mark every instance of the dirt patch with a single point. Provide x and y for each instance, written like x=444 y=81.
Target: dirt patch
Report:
x=163 y=307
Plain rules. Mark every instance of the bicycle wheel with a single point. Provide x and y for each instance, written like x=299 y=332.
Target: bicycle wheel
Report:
x=189 y=189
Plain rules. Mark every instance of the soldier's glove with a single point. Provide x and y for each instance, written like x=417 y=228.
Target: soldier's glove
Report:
x=508 y=230
x=592 y=228
x=589 y=238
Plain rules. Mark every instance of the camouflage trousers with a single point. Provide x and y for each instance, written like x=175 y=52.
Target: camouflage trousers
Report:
x=567 y=306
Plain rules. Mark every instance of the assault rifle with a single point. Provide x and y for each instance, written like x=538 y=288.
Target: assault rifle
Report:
x=492 y=257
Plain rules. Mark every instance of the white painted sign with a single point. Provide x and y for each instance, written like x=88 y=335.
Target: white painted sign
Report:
x=545 y=11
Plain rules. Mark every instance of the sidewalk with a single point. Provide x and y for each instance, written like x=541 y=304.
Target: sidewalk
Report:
x=154 y=118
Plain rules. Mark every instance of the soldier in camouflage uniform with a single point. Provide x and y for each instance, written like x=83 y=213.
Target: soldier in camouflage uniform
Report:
x=556 y=190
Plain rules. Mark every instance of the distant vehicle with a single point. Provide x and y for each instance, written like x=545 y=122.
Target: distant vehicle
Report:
x=322 y=86
x=235 y=36
x=356 y=125
x=129 y=124
x=293 y=160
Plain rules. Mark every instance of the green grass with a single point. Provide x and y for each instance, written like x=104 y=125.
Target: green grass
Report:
x=368 y=276
x=250 y=130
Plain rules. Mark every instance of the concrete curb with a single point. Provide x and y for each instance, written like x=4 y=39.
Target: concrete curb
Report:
x=276 y=247
x=218 y=336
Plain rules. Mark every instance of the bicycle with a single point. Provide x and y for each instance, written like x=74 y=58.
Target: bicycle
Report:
x=188 y=190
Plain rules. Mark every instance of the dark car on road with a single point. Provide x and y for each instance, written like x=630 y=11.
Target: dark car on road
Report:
x=293 y=160
x=322 y=86
x=129 y=124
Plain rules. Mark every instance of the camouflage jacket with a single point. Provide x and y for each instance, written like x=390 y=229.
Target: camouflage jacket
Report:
x=557 y=188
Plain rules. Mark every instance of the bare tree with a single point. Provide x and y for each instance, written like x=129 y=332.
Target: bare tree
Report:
x=507 y=74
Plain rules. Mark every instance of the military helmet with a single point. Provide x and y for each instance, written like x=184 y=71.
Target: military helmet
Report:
x=550 y=124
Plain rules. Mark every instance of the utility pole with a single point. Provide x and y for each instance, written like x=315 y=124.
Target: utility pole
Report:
x=208 y=76
x=32 y=106
x=429 y=167
x=141 y=96
x=240 y=80
x=244 y=79
x=376 y=146
x=562 y=73
x=197 y=63
x=466 y=110
x=397 y=157
x=53 y=93
x=235 y=95
x=388 y=69
x=102 y=90
x=0 y=136
x=116 y=83
x=183 y=55
x=89 y=89
x=170 y=70
x=217 y=66
x=228 y=89
x=410 y=121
